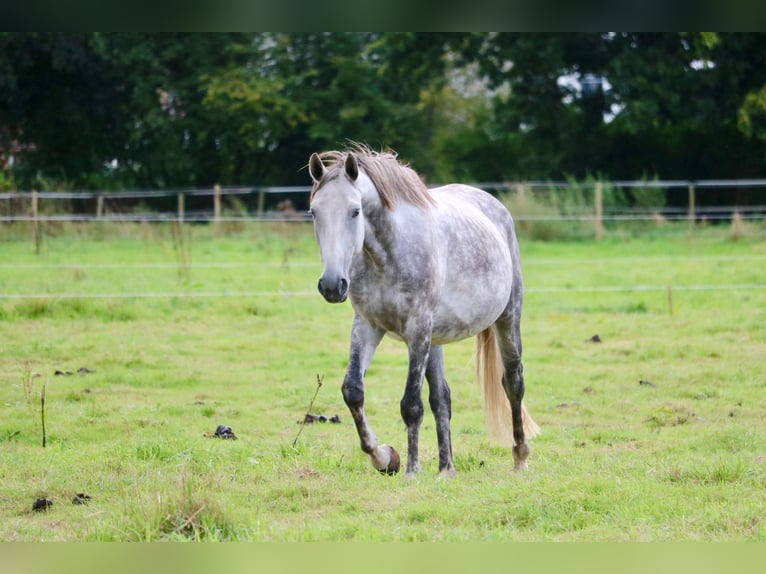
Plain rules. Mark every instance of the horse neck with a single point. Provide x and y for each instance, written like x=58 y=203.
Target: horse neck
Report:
x=377 y=233
x=378 y=228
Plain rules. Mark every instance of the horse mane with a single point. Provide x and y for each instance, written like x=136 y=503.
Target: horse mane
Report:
x=393 y=180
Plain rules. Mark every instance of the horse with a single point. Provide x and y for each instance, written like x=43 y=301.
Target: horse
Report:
x=427 y=267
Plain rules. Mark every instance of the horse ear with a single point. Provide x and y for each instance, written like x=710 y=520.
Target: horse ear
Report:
x=316 y=167
x=352 y=168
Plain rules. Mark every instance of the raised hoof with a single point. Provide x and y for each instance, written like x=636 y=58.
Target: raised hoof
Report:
x=393 y=462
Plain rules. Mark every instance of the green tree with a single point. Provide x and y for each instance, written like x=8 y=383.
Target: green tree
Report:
x=177 y=110
x=110 y=109
x=171 y=138
x=57 y=100
x=667 y=104
x=301 y=92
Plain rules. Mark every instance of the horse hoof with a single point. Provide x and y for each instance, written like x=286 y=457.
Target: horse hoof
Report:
x=447 y=473
x=393 y=462
x=520 y=454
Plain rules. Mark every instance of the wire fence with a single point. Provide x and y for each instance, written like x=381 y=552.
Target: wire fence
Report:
x=717 y=200
x=202 y=293
x=692 y=201
x=313 y=293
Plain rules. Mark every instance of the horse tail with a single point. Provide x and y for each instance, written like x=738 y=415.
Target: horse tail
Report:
x=497 y=409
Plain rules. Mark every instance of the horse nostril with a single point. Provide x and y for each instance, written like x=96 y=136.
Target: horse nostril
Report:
x=343 y=287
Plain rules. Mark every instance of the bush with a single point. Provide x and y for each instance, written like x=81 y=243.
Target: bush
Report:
x=6 y=182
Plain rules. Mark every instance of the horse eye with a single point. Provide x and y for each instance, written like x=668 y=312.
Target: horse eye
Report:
x=355 y=212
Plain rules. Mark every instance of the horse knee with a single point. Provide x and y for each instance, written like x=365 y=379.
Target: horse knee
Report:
x=353 y=394
x=412 y=412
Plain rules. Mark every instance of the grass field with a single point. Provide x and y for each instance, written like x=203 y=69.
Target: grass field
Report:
x=183 y=332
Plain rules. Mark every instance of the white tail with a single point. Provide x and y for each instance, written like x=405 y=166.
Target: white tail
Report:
x=497 y=409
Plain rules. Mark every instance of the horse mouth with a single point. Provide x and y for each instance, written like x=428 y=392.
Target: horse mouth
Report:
x=335 y=298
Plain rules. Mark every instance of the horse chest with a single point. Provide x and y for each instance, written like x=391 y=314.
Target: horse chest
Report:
x=390 y=301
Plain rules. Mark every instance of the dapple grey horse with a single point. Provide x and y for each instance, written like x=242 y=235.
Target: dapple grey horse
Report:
x=427 y=267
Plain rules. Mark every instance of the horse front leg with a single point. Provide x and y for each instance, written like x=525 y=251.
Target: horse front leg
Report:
x=412 y=402
x=364 y=340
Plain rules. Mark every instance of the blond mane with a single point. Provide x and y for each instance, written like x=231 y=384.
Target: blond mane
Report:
x=394 y=180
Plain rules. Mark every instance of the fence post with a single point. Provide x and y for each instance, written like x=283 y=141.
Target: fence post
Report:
x=99 y=206
x=217 y=209
x=599 y=202
x=261 y=202
x=180 y=207
x=692 y=206
x=521 y=192
x=35 y=223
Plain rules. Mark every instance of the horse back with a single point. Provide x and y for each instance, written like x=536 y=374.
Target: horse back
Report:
x=458 y=196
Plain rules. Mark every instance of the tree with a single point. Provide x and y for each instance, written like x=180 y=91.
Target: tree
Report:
x=298 y=93
x=109 y=109
x=665 y=104
x=178 y=110
x=171 y=137
x=56 y=98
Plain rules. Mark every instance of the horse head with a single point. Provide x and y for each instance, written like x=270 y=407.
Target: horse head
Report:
x=336 y=208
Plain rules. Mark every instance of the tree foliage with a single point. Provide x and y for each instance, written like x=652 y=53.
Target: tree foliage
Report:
x=177 y=110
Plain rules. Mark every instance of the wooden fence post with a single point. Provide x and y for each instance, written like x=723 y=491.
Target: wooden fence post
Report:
x=180 y=208
x=599 y=202
x=261 y=202
x=217 y=209
x=521 y=192
x=99 y=206
x=692 y=206
x=35 y=223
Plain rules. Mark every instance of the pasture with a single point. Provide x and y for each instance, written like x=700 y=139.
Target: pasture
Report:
x=186 y=331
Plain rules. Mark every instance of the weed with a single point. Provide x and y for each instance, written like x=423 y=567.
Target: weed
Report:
x=188 y=513
x=668 y=416
x=182 y=235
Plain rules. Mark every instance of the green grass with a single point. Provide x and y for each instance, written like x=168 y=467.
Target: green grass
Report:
x=684 y=459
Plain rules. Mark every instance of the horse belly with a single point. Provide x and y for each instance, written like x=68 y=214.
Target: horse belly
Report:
x=463 y=315
x=476 y=288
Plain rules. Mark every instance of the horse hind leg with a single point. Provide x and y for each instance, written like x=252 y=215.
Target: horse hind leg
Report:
x=513 y=383
x=509 y=343
x=502 y=377
x=441 y=407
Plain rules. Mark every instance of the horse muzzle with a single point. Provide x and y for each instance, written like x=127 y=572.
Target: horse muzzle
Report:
x=333 y=291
